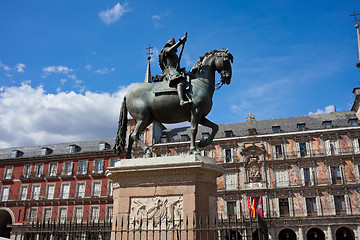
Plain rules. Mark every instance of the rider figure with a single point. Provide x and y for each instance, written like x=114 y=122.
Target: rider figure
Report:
x=170 y=66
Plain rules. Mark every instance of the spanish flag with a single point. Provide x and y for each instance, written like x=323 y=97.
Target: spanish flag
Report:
x=253 y=208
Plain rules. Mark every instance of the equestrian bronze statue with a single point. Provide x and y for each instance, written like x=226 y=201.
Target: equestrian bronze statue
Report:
x=160 y=101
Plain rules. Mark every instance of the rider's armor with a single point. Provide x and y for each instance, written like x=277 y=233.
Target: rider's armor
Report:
x=170 y=66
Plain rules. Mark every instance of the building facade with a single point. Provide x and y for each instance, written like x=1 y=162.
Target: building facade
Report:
x=306 y=170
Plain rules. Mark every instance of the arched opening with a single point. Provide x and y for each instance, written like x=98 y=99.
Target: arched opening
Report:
x=315 y=234
x=5 y=221
x=344 y=233
x=287 y=234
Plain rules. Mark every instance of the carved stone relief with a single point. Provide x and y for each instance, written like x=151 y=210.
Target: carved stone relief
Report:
x=157 y=211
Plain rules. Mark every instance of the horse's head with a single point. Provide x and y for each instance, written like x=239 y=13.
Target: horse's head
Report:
x=223 y=65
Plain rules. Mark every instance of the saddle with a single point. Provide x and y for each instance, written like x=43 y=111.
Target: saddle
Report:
x=162 y=87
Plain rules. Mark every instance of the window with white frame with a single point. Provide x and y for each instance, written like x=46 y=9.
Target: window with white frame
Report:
x=62 y=214
x=96 y=189
x=53 y=167
x=331 y=147
x=80 y=189
x=94 y=213
x=278 y=151
x=109 y=213
x=231 y=209
x=355 y=145
x=67 y=168
x=8 y=172
x=228 y=155
x=307 y=176
x=340 y=205
x=231 y=181
x=83 y=167
x=281 y=177
x=5 y=191
x=24 y=192
x=47 y=214
x=35 y=193
x=303 y=149
x=65 y=190
x=113 y=161
x=311 y=206
x=33 y=214
x=38 y=170
x=98 y=166
x=78 y=214
x=50 y=191
x=110 y=188
x=27 y=171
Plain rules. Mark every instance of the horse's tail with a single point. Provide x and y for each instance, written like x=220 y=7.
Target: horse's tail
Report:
x=121 y=133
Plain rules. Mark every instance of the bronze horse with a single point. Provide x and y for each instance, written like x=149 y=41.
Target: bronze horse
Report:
x=146 y=104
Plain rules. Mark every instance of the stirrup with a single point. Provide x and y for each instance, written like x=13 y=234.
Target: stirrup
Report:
x=183 y=103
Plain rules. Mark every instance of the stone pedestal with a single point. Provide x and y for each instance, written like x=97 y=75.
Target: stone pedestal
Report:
x=164 y=189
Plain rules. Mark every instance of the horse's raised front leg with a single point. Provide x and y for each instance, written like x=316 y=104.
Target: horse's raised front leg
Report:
x=195 y=118
x=140 y=126
x=215 y=128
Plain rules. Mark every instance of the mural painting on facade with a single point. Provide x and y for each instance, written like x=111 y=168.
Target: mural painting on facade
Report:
x=321 y=173
x=294 y=175
x=220 y=183
x=345 y=144
x=221 y=207
x=349 y=171
x=272 y=177
x=317 y=147
x=291 y=149
x=355 y=201
x=298 y=205
x=326 y=203
x=217 y=154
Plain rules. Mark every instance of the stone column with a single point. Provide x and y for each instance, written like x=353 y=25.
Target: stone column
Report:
x=301 y=234
x=162 y=191
x=329 y=233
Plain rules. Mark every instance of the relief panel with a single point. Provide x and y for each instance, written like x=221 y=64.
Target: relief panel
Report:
x=156 y=210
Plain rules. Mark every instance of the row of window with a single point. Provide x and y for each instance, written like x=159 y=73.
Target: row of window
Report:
x=67 y=170
x=306 y=177
x=63 y=214
x=96 y=190
x=312 y=205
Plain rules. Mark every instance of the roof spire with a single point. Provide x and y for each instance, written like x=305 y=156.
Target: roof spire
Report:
x=358 y=36
x=148 y=70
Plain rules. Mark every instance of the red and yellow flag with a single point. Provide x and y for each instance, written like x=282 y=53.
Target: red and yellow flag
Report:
x=253 y=208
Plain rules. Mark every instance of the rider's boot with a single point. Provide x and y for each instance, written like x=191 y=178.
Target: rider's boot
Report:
x=181 y=93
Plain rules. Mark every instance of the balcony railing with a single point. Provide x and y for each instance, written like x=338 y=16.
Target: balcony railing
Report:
x=6 y=177
x=31 y=176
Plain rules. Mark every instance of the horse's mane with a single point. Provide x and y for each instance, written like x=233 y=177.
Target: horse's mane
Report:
x=199 y=62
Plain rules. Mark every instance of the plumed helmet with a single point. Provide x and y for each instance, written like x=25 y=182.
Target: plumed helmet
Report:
x=170 y=42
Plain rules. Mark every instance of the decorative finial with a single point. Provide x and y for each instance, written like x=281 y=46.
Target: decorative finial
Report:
x=250 y=117
x=149 y=53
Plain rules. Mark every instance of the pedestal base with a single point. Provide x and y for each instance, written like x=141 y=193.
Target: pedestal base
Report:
x=164 y=189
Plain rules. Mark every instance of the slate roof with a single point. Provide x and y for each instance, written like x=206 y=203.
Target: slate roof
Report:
x=288 y=124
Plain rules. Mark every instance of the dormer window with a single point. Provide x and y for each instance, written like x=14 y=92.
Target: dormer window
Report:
x=301 y=126
x=252 y=132
x=46 y=151
x=74 y=148
x=184 y=137
x=205 y=135
x=16 y=153
x=229 y=133
x=327 y=124
x=353 y=122
x=104 y=146
x=276 y=129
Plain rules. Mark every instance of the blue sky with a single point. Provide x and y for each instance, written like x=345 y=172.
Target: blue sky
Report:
x=66 y=65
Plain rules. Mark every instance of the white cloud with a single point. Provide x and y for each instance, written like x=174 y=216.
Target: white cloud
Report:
x=5 y=67
x=88 y=67
x=56 y=69
x=30 y=116
x=104 y=70
x=112 y=15
x=20 y=67
x=156 y=17
x=328 y=109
